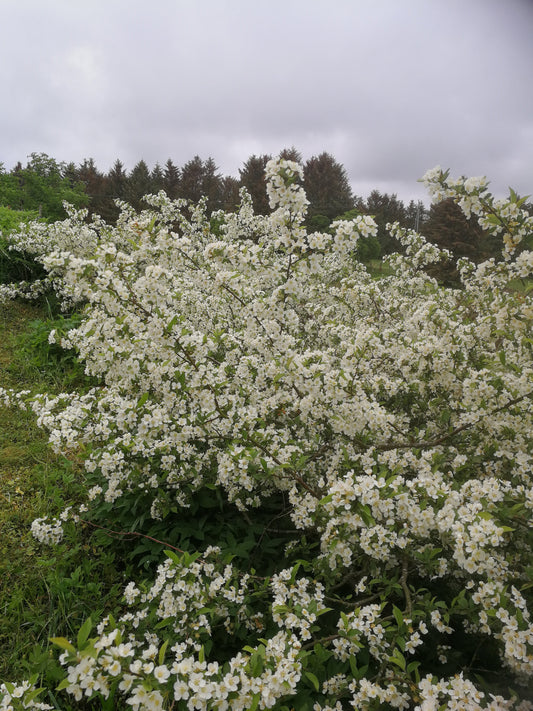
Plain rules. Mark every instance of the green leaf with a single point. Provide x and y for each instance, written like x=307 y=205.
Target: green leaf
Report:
x=255 y=701
x=361 y=673
x=30 y=698
x=294 y=571
x=413 y=666
x=164 y=623
x=171 y=324
x=162 y=652
x=398 y=659
x=83 y=633
x=63 y=643
x=321 y=653
x=174 y=557
x=353 y=665
x=314 y=681
x=142 y=400
x=366 y=514
x=398 y=616
x=256 y=663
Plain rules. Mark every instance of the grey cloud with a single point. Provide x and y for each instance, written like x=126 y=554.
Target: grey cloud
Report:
x=390 y=89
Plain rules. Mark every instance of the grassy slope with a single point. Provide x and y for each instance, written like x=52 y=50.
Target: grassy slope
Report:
x=44 y=591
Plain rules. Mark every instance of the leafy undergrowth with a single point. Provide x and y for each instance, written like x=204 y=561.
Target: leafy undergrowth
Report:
x=44 y=592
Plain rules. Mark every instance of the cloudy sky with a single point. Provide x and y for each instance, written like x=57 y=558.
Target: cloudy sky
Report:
x=390 y=88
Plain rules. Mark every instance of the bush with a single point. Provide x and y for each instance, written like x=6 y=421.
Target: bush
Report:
x=388 y=422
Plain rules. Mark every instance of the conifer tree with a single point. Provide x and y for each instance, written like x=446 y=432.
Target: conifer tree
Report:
x=171 y=179
x=447 y=227
x=252 y=177
x=291 y=153
x=327 y=187
x=229 y=193
x=138 y=185
x=157 y=179
x=212 y=185
x=116 y=181
x=191 y=179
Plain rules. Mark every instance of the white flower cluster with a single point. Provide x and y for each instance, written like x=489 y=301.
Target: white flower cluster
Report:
x=182 y=592
x=297 y=604
x=261 y=674
x=504 y=613
x=145 y=683
x=14 y=398
x=47 y=533
x=460 y=693
x=16 y=697
x=289 y=203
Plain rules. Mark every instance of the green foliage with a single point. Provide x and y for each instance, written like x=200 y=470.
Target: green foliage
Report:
x=14 y=265
x=386 y=209
x=11 y=219
x=253 y=541
x=56 y=364
x=318 y=223
x=42 y=186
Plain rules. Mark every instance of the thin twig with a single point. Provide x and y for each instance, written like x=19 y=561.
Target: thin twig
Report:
x=405 y=587
x=124 y=534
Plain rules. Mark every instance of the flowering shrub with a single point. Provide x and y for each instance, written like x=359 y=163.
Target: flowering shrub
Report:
x=21 y=696
x=393 y=417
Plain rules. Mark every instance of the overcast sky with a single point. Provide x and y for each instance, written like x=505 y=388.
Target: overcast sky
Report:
x=390 y=88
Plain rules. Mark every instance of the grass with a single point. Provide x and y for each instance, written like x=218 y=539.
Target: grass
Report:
x=44 y=591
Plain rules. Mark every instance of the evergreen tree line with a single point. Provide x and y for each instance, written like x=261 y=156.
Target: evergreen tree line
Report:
x=44 y=184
